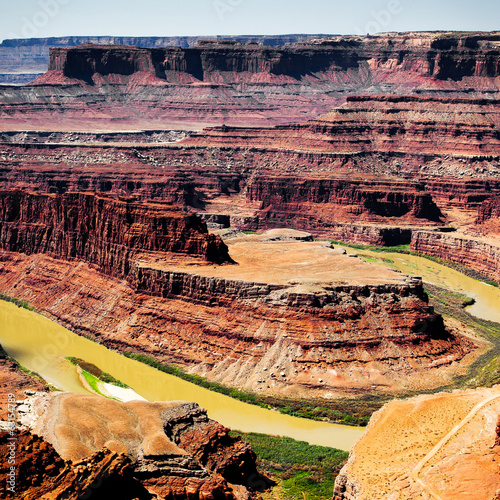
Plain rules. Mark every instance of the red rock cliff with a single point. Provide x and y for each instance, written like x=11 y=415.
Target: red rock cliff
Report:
x=440 y=56
x=473 y=253
x=224 y=82
x=102 y=231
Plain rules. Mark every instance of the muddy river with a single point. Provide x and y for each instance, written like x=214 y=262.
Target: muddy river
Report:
x=487 y=297
x=41 y=345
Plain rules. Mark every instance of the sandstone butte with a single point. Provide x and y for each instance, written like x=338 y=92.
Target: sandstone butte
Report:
x=22 y=60
x=411 y=159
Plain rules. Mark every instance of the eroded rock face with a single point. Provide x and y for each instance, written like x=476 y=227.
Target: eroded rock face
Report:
x=441 y=446
x=382 y=123
x=171 y=450
x=473 y=253
x=227 y=323
x=442 y=57
x=102 y=231
x=22 y=60
x=13 y=383
x=145 y=463
x=334 y=341
x=377 y=160
x=202 y=84
x=41 y=473
x=240 y=185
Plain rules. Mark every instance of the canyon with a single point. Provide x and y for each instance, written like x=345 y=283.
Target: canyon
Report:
x=22 y=60
x=413 y=164
x=117 y=162
x=234 y=83
x=147 y=277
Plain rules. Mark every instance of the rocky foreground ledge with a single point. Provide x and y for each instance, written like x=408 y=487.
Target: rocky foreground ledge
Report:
x=75 y=446
x=444 y=446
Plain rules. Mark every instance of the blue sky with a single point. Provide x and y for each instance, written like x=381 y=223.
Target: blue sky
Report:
x=44 y=18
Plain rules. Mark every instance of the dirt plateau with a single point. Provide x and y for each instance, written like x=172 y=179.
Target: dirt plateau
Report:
x=443 y=446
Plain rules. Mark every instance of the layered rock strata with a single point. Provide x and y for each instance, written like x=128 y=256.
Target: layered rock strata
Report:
x=414 y=160
x=481 y=255
x=488 y=219
x=442 y=58
x=22 y=60
x=338 y=333
x=440 y=446
x=228 y=82
x=102 y=231
x=237 y=184
x=382 y=123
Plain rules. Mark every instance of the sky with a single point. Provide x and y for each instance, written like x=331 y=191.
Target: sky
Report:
x=47 y=18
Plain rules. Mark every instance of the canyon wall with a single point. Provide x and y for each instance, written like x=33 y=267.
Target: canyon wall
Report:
x=101 y=231
x=442 y=57
x=489 y=210
x=22 y=60
x=478 y=254
x=283 y=200
x=228 y=82
x=325 y=340
x=259 y=189
x=396 y=124
x=225 y=328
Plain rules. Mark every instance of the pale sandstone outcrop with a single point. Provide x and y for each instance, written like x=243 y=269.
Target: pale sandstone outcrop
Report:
x=84 y=444
x=442 y=446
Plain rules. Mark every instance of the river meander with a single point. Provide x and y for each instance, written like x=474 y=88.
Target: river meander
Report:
x=41 y=345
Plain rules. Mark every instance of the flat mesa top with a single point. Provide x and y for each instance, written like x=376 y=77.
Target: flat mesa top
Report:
x=303 y=264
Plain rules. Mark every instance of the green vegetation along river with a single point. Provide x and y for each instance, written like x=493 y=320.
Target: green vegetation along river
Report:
x=487 y=297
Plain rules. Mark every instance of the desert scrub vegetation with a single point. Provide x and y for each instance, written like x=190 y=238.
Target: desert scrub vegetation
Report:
x=18 y=302
x=300 y=470
x=405 y=249
x=356 y=411
x=485 y=370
